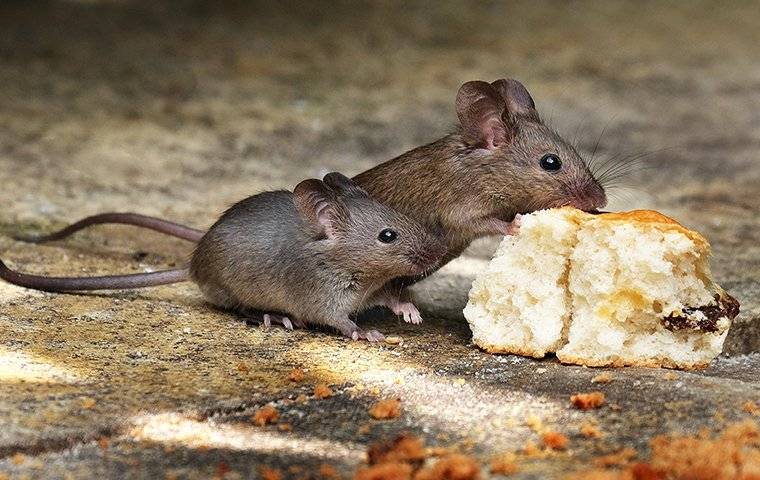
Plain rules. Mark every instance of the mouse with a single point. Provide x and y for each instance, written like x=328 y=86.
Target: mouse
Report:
x=499 y=162
x=313 y=256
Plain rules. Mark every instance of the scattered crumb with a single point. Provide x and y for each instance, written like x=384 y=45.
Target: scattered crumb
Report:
x=301 y=398
x=243 y=368
x=590 y=430
x=602 y=378
x=167 y=476
x=555 y=440
x=534 y=422
x=530 y=449
x=268 y=473
x=364 y=429
x=18 y=458
x=285 y=427
x=620 y=458
x=296 y=375
x=405 y=448
x=459 y=381
x=751 y=408
x=587 y=401
x=265 y=415
x=322 y=391
x=393 y=340
x=385 y=471
x=103 y=443
x=504 y=464
x=670 y=376
x=328 y=471
x=386 y=409
x=375 y=391
x=451 y=467
x=88 y=403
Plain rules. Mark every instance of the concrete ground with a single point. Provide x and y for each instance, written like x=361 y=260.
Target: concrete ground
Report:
x=178 y=109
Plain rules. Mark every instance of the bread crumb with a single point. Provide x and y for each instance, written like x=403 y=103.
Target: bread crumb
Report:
x=534 y=423
x=18 y=458
x=505 y=464
x=385 y=471
x=405 y=448
x=386 y=409
x=751 y=408
x=620 y=458
x=265 y=415
x=322 y=391
x=301 y=398
x=285 y=427
x=88 y=403
x=296 y=375
x=459 y=381
x=589 y=430
x=103 y=443
x=670 y=376
x=393 y=340
x=243 y=368
x=602 y=378
x=363 y=429
x=451 y=467
x=555 y=440
x=268 y=473
x=531 y=450
x=328 y=471
x=587 y=401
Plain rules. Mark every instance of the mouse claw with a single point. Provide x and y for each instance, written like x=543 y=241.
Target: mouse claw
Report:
x=267 y=323
x=369 y=335
x=287 y=323
x=409 y=312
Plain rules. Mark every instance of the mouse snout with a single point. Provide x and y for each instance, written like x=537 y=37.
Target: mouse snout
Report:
x=590 y=198
x=428 y=253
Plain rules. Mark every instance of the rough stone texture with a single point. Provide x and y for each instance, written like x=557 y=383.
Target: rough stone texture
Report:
x=182 y=108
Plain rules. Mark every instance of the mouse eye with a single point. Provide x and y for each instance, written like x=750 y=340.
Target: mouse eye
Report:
x=550 y=162
x=387 y=236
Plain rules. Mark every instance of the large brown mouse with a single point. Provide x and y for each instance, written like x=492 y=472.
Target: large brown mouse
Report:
x=501 y=161
x=313 y=256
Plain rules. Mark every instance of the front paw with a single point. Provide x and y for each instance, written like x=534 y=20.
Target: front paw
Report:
x=409 y=312
x=513 y=227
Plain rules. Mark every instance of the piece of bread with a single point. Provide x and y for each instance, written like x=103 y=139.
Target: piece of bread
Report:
x=611 y=289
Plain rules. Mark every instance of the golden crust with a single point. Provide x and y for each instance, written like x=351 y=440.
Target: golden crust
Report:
x=509 y=350
x=647 y=363
x=656 y=219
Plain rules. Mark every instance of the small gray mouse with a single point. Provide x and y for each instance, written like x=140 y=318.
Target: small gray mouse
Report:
x=501 y=161
x=313 y=256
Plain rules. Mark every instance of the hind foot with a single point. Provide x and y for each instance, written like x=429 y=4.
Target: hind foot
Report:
x=369 y=335
x=268 y=319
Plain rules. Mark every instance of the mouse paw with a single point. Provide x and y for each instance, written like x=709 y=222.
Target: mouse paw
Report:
x=270 y=318
x=408 y=311
x=369 y=335
x=514 y=225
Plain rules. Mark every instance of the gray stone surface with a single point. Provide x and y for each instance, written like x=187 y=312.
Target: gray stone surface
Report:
x=182 y=108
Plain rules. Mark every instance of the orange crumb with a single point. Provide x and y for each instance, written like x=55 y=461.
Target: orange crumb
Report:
x=363 y=429
x=243 y=368
x=530 y=449
x=200 y=448
x=285 y=427
x=328 y=471
x=301 y=398
x=504 y=464
x=751 y=408
x=602 y=378
x=451 y=467
x=167 y=476
x=534 y=423
x=268 y=473
x=385 y=471
x=375 y=391
x=587 y=401
x=322 y=391
x=18 y=458
x=88 y=403
x=644 y=471
x=589 y=430
x=386 y=409
x=296 y=375
x=620 y=458
x=103 y=443
x=405 y=448
x=555 y=440
x=265 y=415
x=222 y=469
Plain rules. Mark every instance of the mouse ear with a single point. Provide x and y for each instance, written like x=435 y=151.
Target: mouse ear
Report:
x=480 y=109
x=516 y=97
x=319 y=208
x=344 y=185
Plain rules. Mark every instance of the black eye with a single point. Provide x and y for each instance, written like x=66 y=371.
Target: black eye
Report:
x=387 y=236
x=550 y=162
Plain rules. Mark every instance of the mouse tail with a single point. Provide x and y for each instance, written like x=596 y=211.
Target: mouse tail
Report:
x=144 y=221
x=109 y=282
